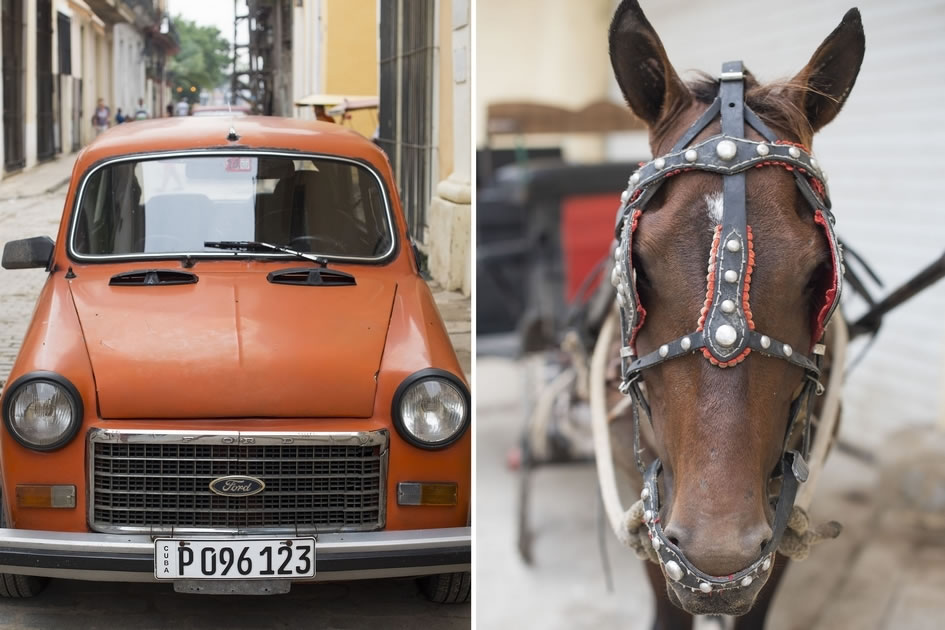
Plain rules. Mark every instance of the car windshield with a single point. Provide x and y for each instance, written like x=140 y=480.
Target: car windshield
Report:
x=174 y=205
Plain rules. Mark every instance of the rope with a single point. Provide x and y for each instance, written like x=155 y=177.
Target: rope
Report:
x=799 y=537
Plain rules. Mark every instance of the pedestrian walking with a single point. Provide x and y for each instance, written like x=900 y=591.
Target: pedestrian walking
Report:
x=100 y=117
x=141 y=113
x=170 y=109
x=119 y=117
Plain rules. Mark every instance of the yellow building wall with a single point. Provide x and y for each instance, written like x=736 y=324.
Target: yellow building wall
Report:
x=445 y=91
x=544 y=51
x=349 y=56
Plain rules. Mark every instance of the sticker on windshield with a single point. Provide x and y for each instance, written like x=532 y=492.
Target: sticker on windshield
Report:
x=240 y=164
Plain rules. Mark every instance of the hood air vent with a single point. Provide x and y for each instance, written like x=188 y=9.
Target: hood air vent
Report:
x=318 y=277
x=144 y=277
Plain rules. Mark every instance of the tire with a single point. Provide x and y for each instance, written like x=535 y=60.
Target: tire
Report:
x=447 y=588
x=19 y=586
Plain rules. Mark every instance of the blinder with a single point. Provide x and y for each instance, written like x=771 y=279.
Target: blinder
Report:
x=725 y=332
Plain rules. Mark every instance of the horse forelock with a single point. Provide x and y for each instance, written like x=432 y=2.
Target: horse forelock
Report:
x=778 y=103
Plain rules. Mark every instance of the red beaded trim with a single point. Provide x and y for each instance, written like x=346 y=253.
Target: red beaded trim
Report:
x=636 y=296
x=748 y=270
x=710 y=279
x=831 y=295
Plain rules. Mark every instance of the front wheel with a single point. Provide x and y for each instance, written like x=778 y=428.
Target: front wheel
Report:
x=447 y=588
x=19 y=586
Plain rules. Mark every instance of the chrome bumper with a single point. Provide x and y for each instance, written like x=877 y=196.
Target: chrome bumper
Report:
x=130 y=558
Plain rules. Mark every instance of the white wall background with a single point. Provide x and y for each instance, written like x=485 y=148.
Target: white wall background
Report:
x=307 y=62
x=128 y=71
x=883 y=155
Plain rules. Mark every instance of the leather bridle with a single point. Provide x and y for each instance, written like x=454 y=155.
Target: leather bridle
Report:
x=725 y=334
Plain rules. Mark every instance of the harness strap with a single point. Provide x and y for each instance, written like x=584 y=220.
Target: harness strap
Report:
x=696 y=128
x=687 y=344
x=676 y=564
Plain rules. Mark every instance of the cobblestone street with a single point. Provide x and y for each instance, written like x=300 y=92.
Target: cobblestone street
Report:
x=31 y=205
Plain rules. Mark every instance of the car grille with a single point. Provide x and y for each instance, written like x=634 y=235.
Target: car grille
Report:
x=153 y=483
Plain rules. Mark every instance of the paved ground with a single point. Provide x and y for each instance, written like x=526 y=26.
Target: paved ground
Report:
x=885 y=572
x=31 y=205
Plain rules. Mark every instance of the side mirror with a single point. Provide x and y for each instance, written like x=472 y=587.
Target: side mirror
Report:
x=420 y=257
x=27 y=253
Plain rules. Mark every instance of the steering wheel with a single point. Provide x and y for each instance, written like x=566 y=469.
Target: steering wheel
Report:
x=335 y=245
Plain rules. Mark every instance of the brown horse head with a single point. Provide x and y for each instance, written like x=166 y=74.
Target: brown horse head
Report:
x=720 y=429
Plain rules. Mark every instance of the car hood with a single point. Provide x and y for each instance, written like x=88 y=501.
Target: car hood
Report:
x=234 y=346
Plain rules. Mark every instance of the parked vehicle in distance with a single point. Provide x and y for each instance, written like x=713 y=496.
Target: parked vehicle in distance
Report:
x=235 y=377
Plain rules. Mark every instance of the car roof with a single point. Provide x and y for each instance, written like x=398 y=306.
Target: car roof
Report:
x=217 y=106
x=182 y=133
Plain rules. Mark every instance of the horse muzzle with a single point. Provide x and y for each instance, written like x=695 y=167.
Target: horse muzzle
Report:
x=698 y=592
x=737 y=601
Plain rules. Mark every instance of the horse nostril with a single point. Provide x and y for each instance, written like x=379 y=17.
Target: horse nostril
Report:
x=718 y=549
x=675 y=535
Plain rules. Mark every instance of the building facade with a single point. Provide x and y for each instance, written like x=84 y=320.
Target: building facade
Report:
x=60 y=56
x=424 y=126
x=415 y=56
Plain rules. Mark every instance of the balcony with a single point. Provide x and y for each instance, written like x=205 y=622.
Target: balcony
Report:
x=112 y=11
x=146 y=14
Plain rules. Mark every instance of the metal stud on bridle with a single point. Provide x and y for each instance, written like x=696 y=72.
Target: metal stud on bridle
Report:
x=725 y=334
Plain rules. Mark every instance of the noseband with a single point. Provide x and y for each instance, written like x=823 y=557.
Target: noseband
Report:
x=725 y=334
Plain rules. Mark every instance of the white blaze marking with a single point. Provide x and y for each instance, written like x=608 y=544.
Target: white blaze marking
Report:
x=714 y=206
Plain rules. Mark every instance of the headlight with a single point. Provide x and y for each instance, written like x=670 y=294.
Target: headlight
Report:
x=431 y=408
x=42 y=411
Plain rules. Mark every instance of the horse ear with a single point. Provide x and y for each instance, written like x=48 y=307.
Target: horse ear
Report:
x=831 y=72
x=645 y=76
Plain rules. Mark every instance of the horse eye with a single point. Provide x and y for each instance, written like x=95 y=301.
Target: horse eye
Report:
x=818 y=277
x=642 y=279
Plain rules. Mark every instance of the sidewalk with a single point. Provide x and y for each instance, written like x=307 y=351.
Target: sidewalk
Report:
x=48 y=177
x=455 y=311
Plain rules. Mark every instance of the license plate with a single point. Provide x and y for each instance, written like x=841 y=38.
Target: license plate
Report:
x=234 y=558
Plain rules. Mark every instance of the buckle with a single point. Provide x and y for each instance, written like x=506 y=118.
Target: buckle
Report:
x=732 y=76
x=799 y=466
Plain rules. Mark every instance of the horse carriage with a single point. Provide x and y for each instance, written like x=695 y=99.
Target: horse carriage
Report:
x=708 y=395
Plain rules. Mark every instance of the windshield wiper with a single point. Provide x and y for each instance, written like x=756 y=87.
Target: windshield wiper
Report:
x=257 y=246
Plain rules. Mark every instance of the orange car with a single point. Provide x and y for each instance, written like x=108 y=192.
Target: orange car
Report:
x=235 y=377
x=220 y=110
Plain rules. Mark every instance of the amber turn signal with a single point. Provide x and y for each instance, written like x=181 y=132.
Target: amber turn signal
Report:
x=422 y=493
x=42 y=496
